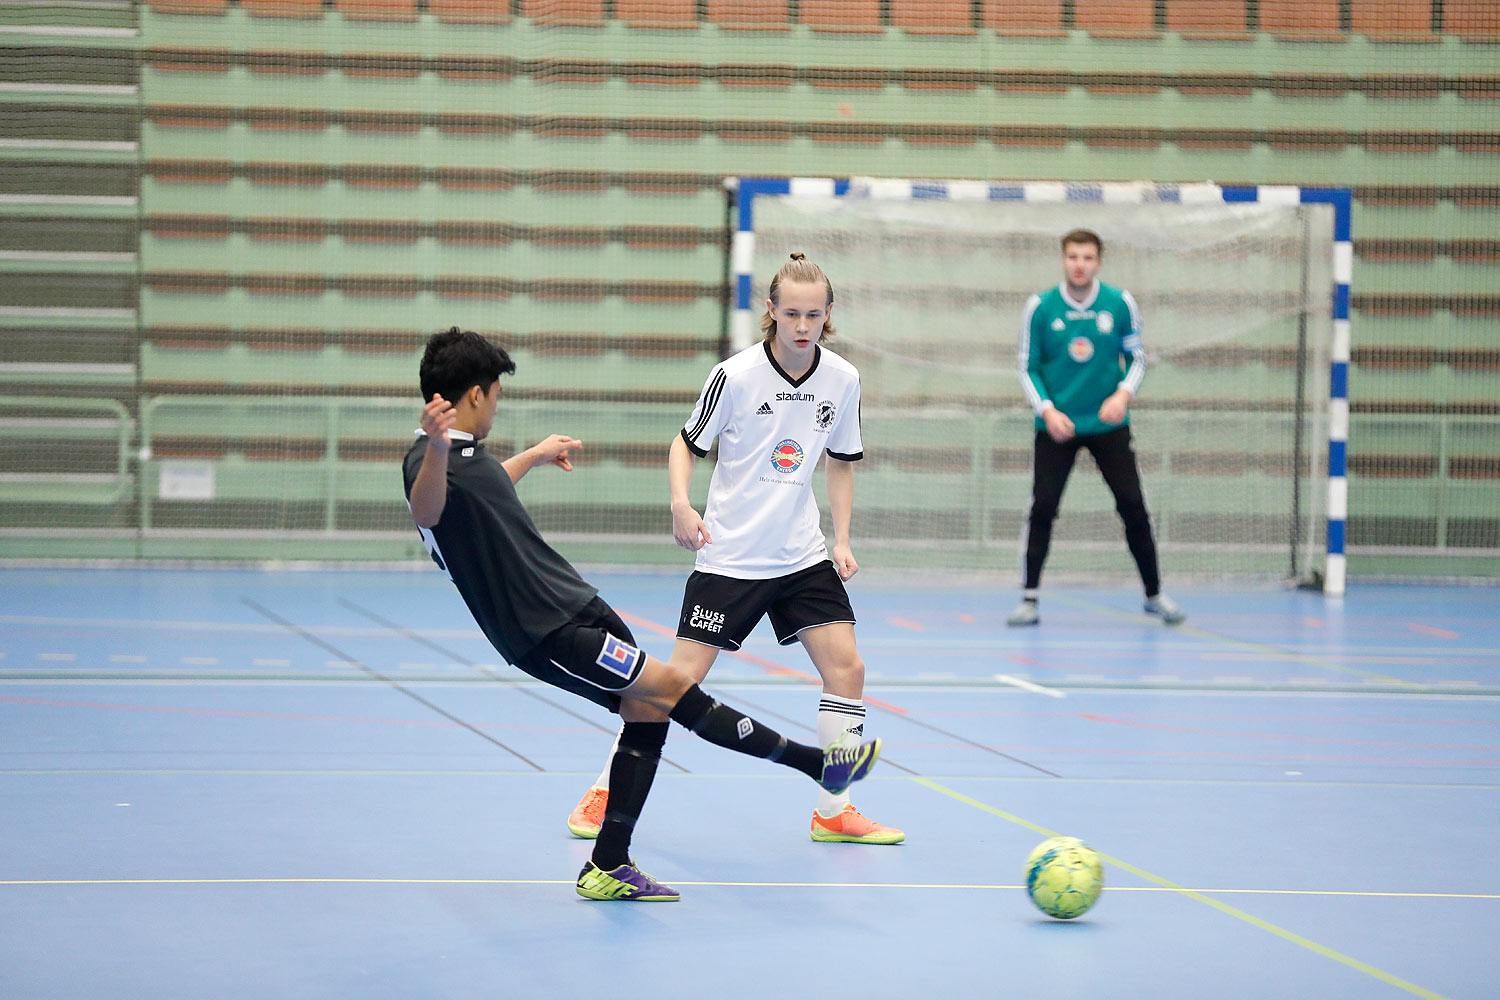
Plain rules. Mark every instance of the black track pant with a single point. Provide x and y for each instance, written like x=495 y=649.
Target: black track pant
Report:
x=1051 y=464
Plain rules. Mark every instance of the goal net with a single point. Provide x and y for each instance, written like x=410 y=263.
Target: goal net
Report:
x=1230 y=426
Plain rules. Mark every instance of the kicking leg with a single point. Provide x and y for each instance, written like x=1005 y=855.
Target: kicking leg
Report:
x=586 y=817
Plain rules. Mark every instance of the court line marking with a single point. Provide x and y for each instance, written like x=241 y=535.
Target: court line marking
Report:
x=298 y=630
x=1201 y=896
x=724 y=776
x=1264 y=648
x=488 y=671
x=356 y=880
x=977 y=645
x=1026 y=685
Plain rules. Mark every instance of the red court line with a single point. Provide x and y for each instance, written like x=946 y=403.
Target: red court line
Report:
x=907 y=623
x=770 y=666
x=1441 y=633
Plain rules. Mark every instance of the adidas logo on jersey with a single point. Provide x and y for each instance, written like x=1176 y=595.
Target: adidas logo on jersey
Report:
x=765 y=410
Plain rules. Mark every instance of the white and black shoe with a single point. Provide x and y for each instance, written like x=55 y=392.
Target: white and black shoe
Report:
x=1166 y=609
x=1025 y=614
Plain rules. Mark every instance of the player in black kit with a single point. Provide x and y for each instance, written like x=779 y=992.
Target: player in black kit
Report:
x=545 y=619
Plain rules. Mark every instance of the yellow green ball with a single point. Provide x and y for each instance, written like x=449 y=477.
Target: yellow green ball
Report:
x=1064 y=877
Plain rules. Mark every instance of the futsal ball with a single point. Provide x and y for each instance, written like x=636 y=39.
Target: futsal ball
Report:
x=1064 y=877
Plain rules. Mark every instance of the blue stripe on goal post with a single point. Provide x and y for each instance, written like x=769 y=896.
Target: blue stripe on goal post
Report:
x=743 y=326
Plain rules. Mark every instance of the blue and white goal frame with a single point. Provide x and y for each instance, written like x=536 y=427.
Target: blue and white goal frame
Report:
x=744 y=325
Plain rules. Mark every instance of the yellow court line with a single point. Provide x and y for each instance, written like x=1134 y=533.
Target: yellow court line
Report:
x=1256 y=647
x=1201 y=896
x=968 y=886
x=1008 y=779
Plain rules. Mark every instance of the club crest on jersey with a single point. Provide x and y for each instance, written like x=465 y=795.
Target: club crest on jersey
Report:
x=1080 y=349
x=824 y=415
x=618 y=657
x=1106 y=322
x=787 y=457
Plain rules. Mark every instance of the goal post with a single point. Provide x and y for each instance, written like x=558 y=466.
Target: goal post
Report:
x=1242 y=423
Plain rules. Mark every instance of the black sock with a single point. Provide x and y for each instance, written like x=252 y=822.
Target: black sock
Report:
x=631 y=771
x=730 y=729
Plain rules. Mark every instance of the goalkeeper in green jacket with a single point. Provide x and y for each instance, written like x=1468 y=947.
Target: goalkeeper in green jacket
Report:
x=1081 y=362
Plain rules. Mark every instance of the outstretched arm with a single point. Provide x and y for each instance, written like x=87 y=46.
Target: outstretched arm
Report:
x=841 y=503
x=552 y=450
x=688 y=529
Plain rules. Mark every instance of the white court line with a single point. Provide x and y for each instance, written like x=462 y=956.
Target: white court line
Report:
x=126 y=658
x=1025 y=685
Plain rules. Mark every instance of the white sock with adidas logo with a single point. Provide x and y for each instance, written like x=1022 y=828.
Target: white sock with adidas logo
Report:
x=840 y=720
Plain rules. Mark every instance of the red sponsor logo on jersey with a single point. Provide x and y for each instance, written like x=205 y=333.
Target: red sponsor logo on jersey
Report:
x=787 y=456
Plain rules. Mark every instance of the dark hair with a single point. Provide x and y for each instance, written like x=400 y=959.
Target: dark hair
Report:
x=1083 y=236
x=457 y=360
x=797 y=268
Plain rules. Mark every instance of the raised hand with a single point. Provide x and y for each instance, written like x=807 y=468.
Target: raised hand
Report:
x=438 y=417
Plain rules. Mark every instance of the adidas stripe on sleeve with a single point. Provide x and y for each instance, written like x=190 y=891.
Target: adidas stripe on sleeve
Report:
x=710 y=414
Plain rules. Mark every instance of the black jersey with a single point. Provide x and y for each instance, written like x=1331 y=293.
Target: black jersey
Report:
x=518 y=587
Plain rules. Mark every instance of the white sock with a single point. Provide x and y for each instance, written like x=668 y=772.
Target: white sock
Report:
x=603 y=781
x=842 y=721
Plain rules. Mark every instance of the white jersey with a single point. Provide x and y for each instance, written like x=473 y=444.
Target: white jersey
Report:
x=772 y=429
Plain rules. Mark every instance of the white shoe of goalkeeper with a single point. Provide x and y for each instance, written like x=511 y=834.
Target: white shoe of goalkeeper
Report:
x=1025 y=614
x=1166 y=609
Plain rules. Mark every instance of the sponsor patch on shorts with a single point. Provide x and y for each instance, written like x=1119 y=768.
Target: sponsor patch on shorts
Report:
x=618 y=657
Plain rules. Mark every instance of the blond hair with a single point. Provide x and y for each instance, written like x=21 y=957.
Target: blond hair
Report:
x=798 y=268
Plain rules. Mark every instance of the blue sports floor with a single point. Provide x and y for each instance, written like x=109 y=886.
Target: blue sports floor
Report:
x=226 y=784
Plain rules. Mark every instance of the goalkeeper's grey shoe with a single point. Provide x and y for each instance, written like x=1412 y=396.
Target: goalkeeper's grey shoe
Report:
x=1025 y=614
x=1166 y=609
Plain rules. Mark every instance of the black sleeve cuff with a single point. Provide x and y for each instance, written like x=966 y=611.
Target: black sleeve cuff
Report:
x=700 y=452
x=848 y=458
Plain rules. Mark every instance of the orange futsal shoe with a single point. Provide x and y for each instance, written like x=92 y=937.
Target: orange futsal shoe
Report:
x=850 y=827
x=586 y=818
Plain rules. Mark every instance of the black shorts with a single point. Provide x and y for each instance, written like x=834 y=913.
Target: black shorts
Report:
x=593 y=656
x=722 y=610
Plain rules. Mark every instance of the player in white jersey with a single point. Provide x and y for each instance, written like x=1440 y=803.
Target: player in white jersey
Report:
x=775 y=408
